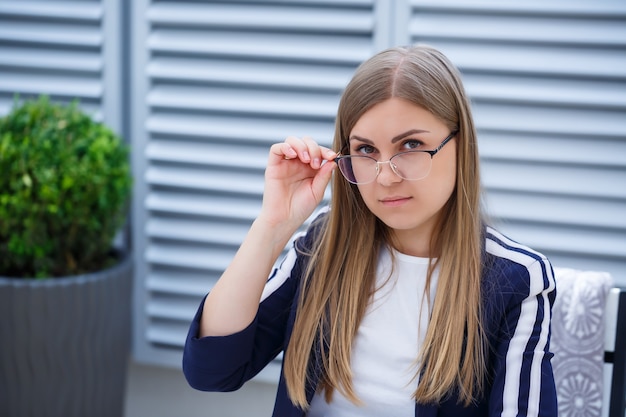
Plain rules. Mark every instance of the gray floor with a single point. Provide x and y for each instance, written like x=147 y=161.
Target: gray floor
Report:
x=162 y=392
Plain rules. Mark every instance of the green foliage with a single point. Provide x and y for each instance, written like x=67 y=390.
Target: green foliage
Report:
x=65 y=184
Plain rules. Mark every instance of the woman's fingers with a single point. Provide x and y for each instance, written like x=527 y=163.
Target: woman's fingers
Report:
x=305 y=149
x=313 y=152
x=296 y=177
x=282 y=150
x=328 y=154
x=322 y=179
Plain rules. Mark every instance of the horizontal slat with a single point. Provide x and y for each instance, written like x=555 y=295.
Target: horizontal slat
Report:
x=172 y=308
x=168 y=334
x=252 y=73
x=558 y=209
x=533 y=59
x=519 y=28
x=67 y=86
x=232 y=155
x=210 y=232
x=569 y=240
x=528 y=118
x=208 y=180
x=41 y=58
x=181 y=282
x=51 y=34
x=334 y=3
x=555 y=148
x=247 y=17
x=203 y=205
x=315 y=48
x=581 y=8
x=65 y=10
x=189 y=256
x=549 y=90
x=265 y=130
x=555 y=179
x=307 y=105
x=212 y=240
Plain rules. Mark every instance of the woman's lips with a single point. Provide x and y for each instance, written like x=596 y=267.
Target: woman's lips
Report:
x=394 y=201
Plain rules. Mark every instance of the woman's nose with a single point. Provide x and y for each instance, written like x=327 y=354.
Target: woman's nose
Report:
x=386 y=174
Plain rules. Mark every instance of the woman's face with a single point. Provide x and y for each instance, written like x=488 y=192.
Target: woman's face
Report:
x=409 y=208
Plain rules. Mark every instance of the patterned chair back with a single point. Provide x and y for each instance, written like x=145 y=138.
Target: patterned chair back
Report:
x=578 y=342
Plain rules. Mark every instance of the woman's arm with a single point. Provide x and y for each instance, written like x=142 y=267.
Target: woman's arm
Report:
x=234 y=335
x=523 y=382
x=224 y=363
x=295 y=180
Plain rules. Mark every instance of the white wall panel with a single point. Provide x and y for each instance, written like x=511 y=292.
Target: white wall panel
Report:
x=548 y=85
x=215 y=83
x=65 y=49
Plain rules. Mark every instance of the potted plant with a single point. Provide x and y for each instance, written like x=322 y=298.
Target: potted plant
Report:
x=65 y=293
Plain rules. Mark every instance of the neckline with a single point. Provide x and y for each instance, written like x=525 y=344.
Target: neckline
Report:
x=403 y=257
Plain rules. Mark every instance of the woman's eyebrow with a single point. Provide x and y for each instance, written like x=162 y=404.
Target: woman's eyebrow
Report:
x=361 y=139
x=394 y=139
x=407 y=133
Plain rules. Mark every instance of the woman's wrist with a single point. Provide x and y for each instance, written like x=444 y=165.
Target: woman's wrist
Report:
x=275 y=234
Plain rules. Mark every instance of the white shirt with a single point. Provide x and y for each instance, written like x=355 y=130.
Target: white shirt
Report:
x=387 y=343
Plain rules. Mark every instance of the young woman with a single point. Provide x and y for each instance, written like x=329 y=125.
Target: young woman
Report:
x=399 y=300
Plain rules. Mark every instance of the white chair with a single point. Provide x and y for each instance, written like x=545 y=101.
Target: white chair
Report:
x=589 y=344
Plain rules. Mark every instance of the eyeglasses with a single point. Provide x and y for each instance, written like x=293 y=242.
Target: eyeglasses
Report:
x=409 y=165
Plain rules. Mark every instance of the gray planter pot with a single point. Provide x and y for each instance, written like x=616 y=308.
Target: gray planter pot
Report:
x=65 y=343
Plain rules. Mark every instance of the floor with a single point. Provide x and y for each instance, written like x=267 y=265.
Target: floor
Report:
x=163 y=392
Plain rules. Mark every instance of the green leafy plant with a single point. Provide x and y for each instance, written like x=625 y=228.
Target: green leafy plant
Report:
x=65 y=184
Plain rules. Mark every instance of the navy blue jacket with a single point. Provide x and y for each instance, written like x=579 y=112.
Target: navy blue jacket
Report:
x=518 y=292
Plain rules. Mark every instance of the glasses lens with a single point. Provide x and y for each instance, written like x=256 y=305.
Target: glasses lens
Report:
x=358 y=169
x=412 y=165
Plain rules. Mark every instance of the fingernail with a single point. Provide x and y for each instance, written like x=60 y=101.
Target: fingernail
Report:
x=316 y=163
x=306 y=156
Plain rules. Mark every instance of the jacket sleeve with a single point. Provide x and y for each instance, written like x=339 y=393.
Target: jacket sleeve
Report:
x=225 y=363
x=523 y=382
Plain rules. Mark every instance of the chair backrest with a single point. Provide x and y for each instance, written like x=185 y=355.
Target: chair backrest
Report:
x=588 y=343
x=615 y=353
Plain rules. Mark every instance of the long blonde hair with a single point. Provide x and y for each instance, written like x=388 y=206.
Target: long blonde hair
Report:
x=341 y=275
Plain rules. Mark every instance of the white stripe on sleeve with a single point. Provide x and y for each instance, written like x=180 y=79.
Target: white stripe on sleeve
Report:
x=280 y=275
x=523 y=330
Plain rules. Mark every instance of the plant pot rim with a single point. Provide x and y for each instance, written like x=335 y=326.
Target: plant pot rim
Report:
x=124 y=259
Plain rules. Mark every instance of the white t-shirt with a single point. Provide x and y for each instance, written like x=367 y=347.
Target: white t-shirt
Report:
x=387 y=343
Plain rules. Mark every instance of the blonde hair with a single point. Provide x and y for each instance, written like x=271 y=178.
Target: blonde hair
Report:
x=341 y=270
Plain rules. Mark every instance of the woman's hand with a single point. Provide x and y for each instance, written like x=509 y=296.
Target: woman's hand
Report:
x=297 y=173
x=296 y=176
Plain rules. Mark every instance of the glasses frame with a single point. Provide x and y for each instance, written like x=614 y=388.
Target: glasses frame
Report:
x=432 y=153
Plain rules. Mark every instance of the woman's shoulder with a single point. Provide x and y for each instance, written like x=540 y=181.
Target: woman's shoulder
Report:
x=510 y=264
x=504 y=249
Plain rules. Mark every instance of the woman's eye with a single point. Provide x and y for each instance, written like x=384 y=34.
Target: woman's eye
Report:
x=365 y=149
x=412 y=144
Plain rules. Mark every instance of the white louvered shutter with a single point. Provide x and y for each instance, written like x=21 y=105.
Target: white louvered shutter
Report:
x=65 y=49
x=215 y=84
x=548 y=85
